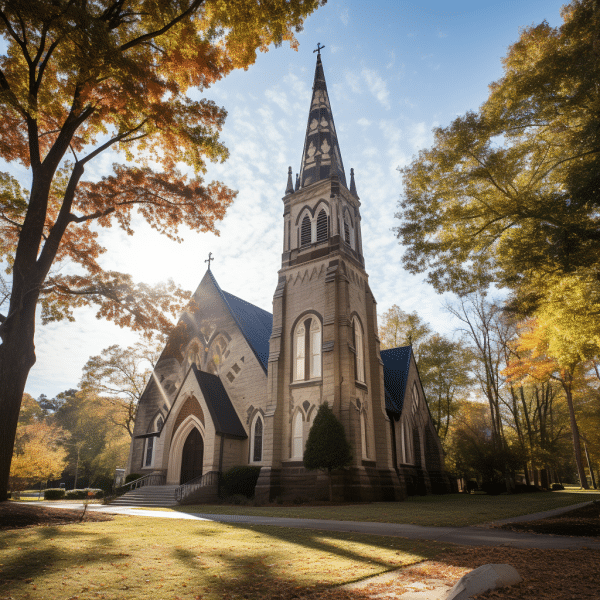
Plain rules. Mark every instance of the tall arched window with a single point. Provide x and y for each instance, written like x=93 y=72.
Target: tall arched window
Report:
x=363 y=436
x=300 y=353
x=305 y=231
x=322 y=226
x=360 y=350
x=298 y=436
x=257 y=439
x=307 y=349
x=150 y=448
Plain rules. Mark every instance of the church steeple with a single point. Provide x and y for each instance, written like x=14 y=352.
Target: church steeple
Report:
x=321 y=143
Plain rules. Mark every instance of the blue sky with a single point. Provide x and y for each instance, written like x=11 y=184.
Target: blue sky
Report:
x=394 y=71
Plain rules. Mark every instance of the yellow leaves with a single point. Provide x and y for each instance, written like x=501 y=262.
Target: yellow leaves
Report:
x=37 y=454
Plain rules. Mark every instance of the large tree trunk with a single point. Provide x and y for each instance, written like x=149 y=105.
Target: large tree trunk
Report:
x=575 y=433
x=17 y=356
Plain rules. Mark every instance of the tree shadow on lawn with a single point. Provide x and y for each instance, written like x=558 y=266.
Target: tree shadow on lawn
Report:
x=262 y=576
x=31 y=561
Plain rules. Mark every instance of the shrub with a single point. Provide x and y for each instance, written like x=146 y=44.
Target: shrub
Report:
x=84 y=494
x=239 y=481
x=557 y=486
x=132 y=477
x=493 y=488
x=104 y=483
x=54 y=494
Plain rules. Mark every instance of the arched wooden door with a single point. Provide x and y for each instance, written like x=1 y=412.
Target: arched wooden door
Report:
x=192 y=456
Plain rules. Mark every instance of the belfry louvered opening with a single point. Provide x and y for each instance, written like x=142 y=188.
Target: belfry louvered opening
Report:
x=346 y=232
x=305 y=231
x=322 y=226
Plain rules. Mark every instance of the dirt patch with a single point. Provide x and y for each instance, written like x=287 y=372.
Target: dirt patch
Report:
x=15 y=516
x=584 y=521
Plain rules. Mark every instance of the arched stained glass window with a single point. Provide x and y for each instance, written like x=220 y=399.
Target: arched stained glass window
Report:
x=305 y=231
x=307 y=349
x=360 y=350
x=322 y=226
x=257 y=439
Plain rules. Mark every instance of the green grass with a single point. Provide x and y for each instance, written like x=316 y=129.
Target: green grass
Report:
x=133 y=558
x=439 y=511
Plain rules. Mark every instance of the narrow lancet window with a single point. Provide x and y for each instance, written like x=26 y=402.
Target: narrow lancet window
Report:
x=322 y=226
x=258 y=437
x=298 y=437
x=300 y=352
x=360 y=351
x=305 y=231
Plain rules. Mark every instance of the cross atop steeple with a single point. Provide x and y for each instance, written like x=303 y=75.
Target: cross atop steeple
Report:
x=319 y=48
x=209 y=259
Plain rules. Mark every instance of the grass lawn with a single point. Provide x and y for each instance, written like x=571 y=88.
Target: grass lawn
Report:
x=440 y=511
x=133 y=558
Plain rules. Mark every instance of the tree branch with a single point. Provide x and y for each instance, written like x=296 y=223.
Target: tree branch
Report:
x=149 y=36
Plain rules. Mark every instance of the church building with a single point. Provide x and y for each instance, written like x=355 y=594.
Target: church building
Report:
x=236 y=385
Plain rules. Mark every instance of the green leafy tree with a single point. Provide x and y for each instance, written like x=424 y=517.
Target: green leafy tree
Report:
x=514 y=189
x=120 y=376
x=79 y=78
x=399 y=328
x=445 y=369
x=327 y=448
x=95 y=445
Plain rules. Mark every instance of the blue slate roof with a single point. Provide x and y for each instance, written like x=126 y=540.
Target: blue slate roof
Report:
x=255 y=323
x=222 y=413
x=396 y=362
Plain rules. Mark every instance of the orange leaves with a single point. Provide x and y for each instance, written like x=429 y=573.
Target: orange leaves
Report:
x=165 y=200
x=136 y=305
x=530 y=360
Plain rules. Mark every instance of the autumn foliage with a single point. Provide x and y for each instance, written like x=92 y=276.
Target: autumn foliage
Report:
x=80 y=78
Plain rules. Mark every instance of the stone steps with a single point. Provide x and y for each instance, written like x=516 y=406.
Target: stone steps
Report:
x=151 y=496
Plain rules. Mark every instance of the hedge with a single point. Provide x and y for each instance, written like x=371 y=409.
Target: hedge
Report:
x=239 y=480
x=54 y=494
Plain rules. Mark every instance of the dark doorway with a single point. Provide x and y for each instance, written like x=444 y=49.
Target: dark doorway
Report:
x=193 y=454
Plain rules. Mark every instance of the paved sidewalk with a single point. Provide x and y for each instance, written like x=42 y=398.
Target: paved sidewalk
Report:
x=480 y=535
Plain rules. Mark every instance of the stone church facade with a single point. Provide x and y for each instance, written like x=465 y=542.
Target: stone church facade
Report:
x=236 y=385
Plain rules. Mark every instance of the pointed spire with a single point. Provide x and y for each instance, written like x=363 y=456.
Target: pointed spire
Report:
x=297 y=183
x=352 y=184
x=290 y=184
x=321 y=152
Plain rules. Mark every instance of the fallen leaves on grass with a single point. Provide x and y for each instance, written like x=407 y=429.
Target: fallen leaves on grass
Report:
x=15 y=516
x=583 y=521
x=547 y=574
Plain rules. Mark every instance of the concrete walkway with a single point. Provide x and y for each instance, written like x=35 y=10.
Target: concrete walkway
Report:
x=480 y=535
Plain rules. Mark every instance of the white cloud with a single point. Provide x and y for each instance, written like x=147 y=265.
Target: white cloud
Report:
x=344 y=16
x=377 y=87
x=363 y=122
x=279 y=97
x=353 y=80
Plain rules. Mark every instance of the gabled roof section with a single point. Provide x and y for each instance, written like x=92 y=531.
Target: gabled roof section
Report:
x=223 y=415
x=396 y=363
x=321 y=147
x=255 y=323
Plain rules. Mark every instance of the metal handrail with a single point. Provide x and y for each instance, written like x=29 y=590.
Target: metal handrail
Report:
x=150 y=479
x=210 y=478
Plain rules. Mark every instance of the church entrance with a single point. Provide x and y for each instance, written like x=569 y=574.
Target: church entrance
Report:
x=192 y=456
